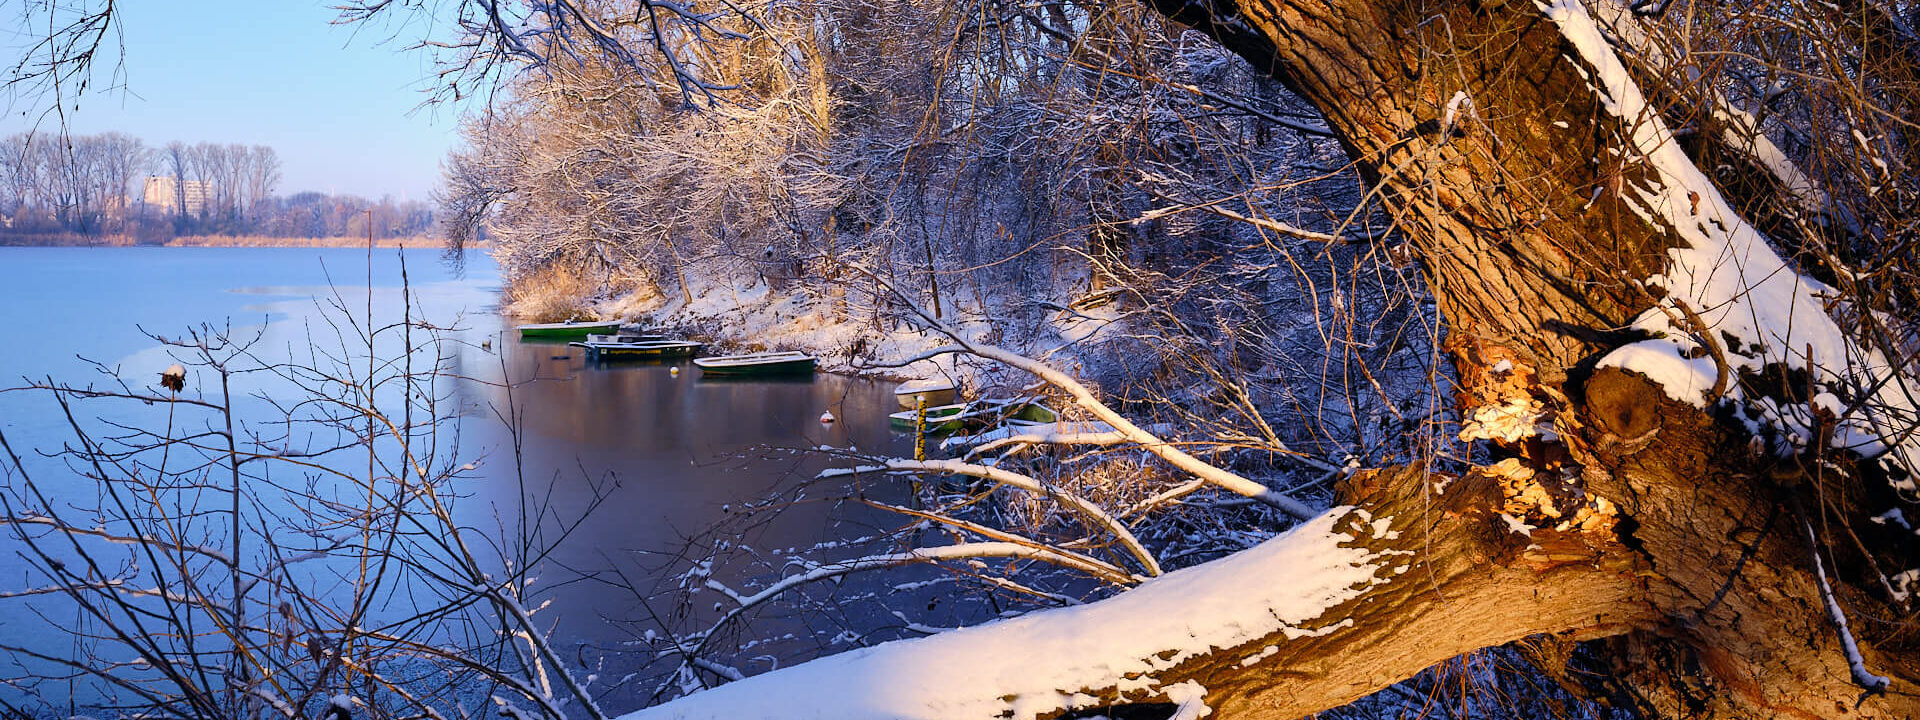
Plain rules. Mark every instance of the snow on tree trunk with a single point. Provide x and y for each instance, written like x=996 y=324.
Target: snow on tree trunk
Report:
x=1359 y=597
x=1549 y=217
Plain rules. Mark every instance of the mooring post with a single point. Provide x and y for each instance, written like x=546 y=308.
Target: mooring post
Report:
x=920 y=426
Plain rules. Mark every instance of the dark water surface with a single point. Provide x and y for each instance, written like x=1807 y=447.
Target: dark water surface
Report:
x=665 y=456
x=669 y=456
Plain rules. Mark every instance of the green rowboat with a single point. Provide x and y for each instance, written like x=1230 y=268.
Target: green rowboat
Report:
x=570 y=329
x=768 y=363
x=976 y=416
x=940 y=419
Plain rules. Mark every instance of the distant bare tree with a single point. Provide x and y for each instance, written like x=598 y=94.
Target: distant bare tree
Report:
x=262 y=177
x=17 y=170
x=178 y=161
x=124 y=163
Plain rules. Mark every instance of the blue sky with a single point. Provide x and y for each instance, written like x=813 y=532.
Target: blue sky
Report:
x=338 y=105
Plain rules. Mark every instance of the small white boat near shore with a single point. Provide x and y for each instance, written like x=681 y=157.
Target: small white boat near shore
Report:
x=933 y=391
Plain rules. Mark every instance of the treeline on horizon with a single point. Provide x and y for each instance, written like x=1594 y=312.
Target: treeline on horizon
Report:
x=114 y=184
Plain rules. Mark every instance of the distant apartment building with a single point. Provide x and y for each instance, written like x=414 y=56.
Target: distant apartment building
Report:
x=163 y=193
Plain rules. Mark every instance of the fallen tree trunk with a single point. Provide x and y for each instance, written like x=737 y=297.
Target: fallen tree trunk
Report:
x=1553 y=210
x=1419 y=569
x=1697 y=577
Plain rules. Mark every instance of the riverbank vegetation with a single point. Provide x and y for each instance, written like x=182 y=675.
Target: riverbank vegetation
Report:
x=1055 y=180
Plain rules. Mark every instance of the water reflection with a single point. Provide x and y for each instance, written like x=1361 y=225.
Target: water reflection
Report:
x=659 y=458
x=666 y=457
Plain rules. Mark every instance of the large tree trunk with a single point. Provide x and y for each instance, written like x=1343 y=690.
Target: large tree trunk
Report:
x=1515 y=200
x=1651 y=521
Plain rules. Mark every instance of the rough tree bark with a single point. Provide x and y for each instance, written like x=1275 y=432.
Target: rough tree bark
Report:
x=1516 y=209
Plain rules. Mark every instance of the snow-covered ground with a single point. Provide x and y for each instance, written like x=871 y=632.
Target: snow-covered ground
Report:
x=846 y=335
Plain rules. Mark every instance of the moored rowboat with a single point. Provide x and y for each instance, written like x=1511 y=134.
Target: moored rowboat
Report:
x=639 y=349
x=977 y=415
x=936 y=391
x=767 y=363
x=625 y=338
x=940 y=419
x=569 y=329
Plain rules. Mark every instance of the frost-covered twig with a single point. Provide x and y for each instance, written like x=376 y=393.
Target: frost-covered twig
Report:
x=511 y=607
x=1213 y=208
x=1084 y=397
x=1060 y=556
x=1855 y=663
x=101 y=533
x=1006 y=477
x=690 y=652
x=1175 y=493
x=266 y=695
x=1051 y=437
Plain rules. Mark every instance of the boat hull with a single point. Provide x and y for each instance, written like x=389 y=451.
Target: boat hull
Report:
x=569 y=330
x=940 y=419
x=975 y=416
x=934 y=398
x=756 y=365
x=643 y=350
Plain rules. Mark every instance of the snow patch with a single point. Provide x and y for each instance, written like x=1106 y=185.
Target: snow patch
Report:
x=1267 y=652
x=1040 y=662
x=1516 y=525
x=1190 y=699
x=1892 y=516
x=1725 y=271
x=1903 y=584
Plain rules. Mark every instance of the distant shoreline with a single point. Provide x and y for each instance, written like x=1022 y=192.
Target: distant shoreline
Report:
x=255 y=241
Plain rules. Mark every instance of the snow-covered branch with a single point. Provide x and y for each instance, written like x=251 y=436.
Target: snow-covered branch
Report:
x=1160 y=448
x=1085 y=398
x=1726 y=270
x=1085 y=509
x=1742 y=130
x=1106 y=571
x=1084 y=656
x=1050 y=436
x=1341 y=604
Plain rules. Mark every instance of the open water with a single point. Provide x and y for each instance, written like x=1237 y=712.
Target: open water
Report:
x=657 y=457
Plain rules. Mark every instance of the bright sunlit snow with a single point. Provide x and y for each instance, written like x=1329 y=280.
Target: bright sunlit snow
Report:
x=1759 y=308
x=1041 y=662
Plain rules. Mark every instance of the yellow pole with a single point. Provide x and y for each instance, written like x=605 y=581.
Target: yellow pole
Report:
x=920 y=426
